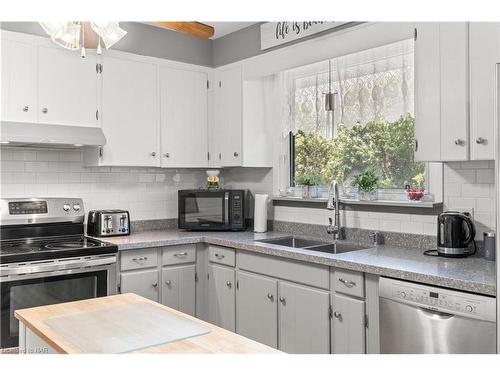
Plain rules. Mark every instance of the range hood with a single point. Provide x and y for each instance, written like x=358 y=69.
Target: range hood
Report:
x=46 y=135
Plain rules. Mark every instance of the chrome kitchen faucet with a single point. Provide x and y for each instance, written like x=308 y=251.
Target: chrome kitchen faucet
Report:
x=333 y=204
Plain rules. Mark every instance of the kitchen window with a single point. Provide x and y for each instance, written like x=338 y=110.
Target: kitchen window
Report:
x=371 y=127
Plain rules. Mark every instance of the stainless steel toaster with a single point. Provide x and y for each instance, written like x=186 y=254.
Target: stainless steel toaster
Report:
x=106 y=223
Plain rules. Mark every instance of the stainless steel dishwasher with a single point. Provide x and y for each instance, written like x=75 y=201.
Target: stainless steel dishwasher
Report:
x=417 y=318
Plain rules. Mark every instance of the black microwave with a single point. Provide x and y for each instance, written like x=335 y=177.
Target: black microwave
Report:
x=211 y=209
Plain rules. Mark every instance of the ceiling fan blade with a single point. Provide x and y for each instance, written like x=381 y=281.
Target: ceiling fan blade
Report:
x=196 y=29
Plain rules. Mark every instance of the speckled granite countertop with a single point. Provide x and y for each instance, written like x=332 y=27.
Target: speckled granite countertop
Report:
x=473 y=274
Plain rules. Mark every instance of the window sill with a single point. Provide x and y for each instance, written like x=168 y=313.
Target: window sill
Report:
x=355 y=202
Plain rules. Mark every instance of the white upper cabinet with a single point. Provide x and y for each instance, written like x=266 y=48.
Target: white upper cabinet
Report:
x=455 y=90
x=184 y=128
x=67 y=87
x=130 y=114
x=441 y=85
x=228 y=117
x=18 y=81
x=484 y=54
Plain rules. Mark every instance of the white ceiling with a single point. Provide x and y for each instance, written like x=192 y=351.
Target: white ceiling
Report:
x=221 y=28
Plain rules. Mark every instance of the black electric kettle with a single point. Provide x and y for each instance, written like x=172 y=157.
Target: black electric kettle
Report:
x=455 y=234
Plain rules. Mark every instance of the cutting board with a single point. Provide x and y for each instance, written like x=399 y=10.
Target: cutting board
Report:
x=124 y=328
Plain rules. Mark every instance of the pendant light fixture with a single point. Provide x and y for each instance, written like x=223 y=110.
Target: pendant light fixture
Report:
x=330 y=96
x=78 y=35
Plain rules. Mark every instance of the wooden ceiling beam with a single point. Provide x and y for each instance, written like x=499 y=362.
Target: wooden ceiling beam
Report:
x=196 y=29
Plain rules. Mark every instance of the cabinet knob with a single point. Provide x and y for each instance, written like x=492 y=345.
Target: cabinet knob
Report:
x=337 y=315
x=236 y=154
x=270 y=296
x=44 y=110
x=480 y=141
x=153 y=154
x=167 y=155
x=168 y=282
x=26 y=108
x=459 y=142
x=229 y=284
x=154 y=285
x=283 y=300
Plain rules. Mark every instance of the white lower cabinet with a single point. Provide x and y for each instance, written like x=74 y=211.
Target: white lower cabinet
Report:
x=222 y=296
x=304 y=320
x=141 y=282
x=178 y=288
x=256 y=308
x=348 y=325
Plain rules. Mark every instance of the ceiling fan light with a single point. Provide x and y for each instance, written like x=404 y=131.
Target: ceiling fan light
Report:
x=110 y=32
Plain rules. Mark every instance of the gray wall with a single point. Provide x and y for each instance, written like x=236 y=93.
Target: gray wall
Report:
x=245 y=43
x=145 y=40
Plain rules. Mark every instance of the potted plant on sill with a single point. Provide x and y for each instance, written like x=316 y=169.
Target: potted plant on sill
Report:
x=367 y=184
x=308 y=183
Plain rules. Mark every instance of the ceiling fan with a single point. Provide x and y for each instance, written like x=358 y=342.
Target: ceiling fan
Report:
x=79 y=35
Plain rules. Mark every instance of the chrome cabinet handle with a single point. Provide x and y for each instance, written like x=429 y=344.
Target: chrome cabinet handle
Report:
x=236 y=154
x=153 y=154
x=154 y=285
x=140 y=259
x=229 y=284
x=459 y=142
x=219 y=256
x=337 y=315
x=283 y=300
x=167 y=155
x=168 y=282
x=480 y=141
x=270 y=296
x=347 y=283
x=26 y=108
x=181 y=255
x=44 y=110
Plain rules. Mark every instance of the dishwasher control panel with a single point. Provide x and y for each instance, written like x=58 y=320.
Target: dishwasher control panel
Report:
x=438 y=299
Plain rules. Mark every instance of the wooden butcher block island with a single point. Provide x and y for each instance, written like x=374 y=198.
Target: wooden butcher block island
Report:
x=124 y=323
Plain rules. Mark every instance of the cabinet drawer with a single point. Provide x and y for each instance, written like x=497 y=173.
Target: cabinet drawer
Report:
x=348 y=282
x=317 y=275
x=135 y=259
x=178 y=254
x=222 y=255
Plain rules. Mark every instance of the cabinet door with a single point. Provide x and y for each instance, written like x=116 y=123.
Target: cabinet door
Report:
x=184 y=127
x=484 y=54
x=178 y=288
x=304 y=320
x=18 y=81
x=427 y=93
x=130 y=116
x=256 y=309
x=228 y=117
x=143 y=283
x=454 y=55
x=221 y=294
x=348 y=325
x=67 y=87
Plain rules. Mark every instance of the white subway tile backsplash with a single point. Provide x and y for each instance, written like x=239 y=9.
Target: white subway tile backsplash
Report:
x=485 y=176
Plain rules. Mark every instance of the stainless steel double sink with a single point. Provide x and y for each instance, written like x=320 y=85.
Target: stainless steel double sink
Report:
x=324 y=247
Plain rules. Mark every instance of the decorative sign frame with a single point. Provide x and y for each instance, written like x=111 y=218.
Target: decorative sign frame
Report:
x=273 y=34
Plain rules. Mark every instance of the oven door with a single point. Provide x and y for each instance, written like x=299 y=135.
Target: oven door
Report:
x=204 y=210
x=46 y=288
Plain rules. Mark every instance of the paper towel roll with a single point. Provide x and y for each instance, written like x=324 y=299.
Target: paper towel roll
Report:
x=260 y=213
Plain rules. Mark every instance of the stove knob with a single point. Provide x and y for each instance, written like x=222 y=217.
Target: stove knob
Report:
x=469 y=308
x=403 y=295
x=66 y=207
x=76 y=207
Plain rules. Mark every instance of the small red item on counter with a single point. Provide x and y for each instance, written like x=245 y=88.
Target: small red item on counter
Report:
x=415 y=194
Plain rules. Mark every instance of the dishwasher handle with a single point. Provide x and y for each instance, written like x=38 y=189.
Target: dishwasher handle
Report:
x=435 y=314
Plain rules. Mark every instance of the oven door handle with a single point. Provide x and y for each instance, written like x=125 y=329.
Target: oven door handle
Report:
x=57 y=266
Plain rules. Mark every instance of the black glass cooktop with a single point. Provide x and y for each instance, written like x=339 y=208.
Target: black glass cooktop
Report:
x=23 y=250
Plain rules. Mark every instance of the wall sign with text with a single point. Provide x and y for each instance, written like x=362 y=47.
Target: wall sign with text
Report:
x=273 y=34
